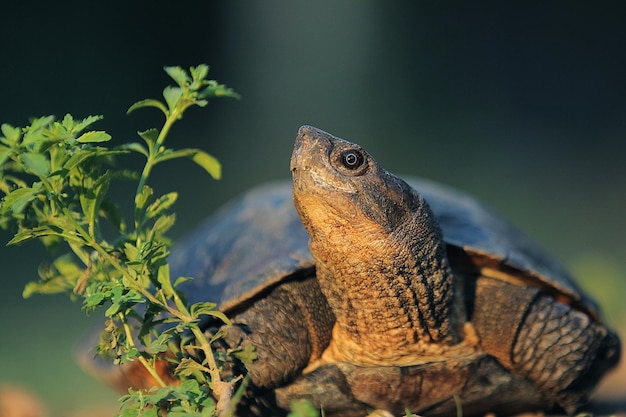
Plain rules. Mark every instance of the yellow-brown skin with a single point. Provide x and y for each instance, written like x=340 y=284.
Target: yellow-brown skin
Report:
x=382 y=269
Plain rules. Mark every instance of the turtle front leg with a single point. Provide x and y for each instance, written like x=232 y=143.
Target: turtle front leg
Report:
x=560 y=349
x=288 y=327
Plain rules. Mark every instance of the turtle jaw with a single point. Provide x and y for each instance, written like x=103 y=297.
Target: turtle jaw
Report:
x=314 y=191
x=310 y=165
x=309 y=142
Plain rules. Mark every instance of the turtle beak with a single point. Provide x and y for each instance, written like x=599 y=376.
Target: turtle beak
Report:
x=297 y=151
x=311 y=144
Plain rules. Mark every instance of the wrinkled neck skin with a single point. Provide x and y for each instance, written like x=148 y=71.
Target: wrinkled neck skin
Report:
x=391 y=290
x=380 y=257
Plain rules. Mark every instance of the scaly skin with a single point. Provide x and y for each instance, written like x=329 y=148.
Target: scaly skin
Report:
x=380 y=262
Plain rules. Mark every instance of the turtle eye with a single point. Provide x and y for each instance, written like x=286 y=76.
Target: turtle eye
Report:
x=352 y=159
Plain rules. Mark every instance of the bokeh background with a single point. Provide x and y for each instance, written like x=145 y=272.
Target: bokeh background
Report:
x=521 y=103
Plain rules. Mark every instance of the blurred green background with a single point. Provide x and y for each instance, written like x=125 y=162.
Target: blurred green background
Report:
x=522 y=104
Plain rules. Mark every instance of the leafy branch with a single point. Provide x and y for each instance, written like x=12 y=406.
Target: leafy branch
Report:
x=55 y=176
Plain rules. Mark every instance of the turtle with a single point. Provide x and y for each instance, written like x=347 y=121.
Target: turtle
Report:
x=361 y=291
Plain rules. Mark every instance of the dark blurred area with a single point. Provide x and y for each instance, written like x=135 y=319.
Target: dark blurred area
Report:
x=522 y=104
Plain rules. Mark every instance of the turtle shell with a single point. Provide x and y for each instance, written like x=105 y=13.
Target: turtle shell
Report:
x=257 y=240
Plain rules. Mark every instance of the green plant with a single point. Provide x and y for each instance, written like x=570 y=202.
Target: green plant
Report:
x=55 y=175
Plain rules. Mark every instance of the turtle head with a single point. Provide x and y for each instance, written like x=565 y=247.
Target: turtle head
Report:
x=337 y=183
x=375 y=241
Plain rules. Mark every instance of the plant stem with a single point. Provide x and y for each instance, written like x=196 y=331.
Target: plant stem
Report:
x=221 y=389
x=131 y=343
x=154 y=149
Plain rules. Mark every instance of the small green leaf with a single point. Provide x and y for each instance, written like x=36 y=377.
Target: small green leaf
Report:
x=131 y=252
x=130 y=355
x=4 y=155
x=160 y=395
x=18 y=199
x=93 y=195
x=66 y=267
x=167 y=154
x=135 y=147
x=61 y=276
x=172 y=95
x=94 y=136
x=163 y=277
x=163 y=224
x=207 y=308
x=125 y=174
x=94 y=299
x=206 y=161
x=188 y=366
x=68 y=122
x=32 y=137
x=122 y=300
x=77 y=158
x=82 y=155
x=36 y=232
x=143 y=197
x=179 y=75
x=180 y=280
x=199 y=73
x=218 y=90
x=36 y=163
x=161 y=204
x=81 y=125
x=39 y=123
x=11 y=134
x=209 y=163
x=148 y=103
x=247 y=355
x=150 y=136
x=203 y=308
x=159 y=345
x=55 y=286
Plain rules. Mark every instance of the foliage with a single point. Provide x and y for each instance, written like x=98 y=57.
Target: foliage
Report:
x=55 y=175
